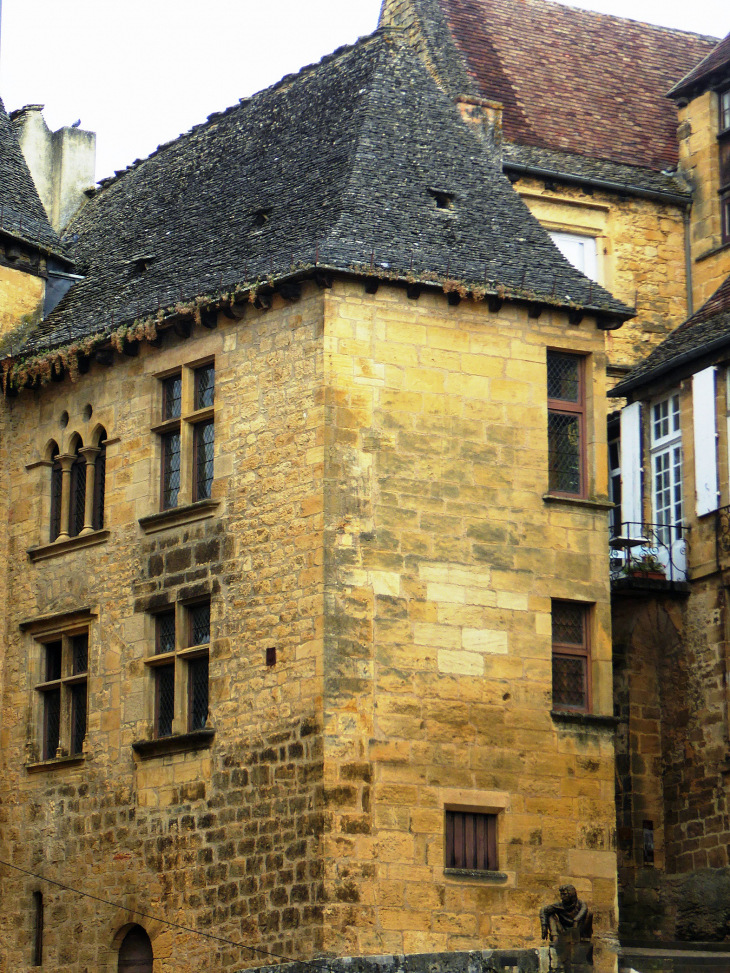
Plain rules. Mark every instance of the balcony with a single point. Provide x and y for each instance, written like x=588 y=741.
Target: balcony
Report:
x=650 y=557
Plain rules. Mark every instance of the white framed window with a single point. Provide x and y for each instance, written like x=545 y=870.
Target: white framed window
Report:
x=666 y=465
x=579 y=250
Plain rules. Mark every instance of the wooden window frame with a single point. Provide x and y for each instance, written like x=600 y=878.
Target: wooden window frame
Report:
x=666 y=444
x=184 y=424
x=564 y=407
x=184 y=654
x=66 y=687
x=477 y=831
x=573 y=650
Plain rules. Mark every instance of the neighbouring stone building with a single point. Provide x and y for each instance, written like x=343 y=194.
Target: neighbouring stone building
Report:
x=305 y=485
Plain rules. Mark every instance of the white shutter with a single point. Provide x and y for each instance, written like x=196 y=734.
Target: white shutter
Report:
x=578 y=250
x=705 y=440
x=631 y=507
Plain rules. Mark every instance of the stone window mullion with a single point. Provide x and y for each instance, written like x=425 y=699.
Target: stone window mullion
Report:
x=89 y=453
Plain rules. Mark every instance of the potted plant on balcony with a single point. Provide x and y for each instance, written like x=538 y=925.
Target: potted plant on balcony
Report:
x=647 y=566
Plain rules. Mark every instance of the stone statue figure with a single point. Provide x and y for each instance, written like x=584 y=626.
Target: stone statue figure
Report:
x=569 y=914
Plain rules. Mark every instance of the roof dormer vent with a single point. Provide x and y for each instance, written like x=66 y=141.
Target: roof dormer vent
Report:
x=442 y=199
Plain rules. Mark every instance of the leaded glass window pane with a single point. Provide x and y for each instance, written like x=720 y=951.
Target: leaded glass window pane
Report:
x=198 y=693
x=170 y=469
x=204 y=386
x=54 y=659
x=204 y=448
x=165 y=680
x=165 y=625
x=569 y=681
x=172 y=397
x=56 y=490
x=78 y=717
x=563 y=377
x=568 y=623
x=99 y=489
x=564 y=452
x=51 y=723
x=200 y=624
x=78 y=497
x=80 y=653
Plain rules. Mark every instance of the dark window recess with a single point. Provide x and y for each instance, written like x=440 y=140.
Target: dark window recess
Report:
x=648 y=842
x=51 y=722
x=37 y=929
x=566 y=436
x=78 y=717
x=165 y=632
x=172 y=397
x=135 y=953
x=725 y=162
x=165 y=700
x=198 y=693
x=571 y=674
x=725 y=216
x=204 y=447
x=170 y=469
x=54 y=659
x=271 y=656
x=99 y=485
x=78 y=495
x=443 y=200
x=80 y=650
x=471 y=841
x=199 y=616
x=204 y=386
x=56 y=491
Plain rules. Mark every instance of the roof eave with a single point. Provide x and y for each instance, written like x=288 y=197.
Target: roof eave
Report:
x=623 y=389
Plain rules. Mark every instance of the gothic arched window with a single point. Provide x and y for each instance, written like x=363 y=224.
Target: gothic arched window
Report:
x=135 y=953
x=97 y=518
x=77 y=499
x=56 y=491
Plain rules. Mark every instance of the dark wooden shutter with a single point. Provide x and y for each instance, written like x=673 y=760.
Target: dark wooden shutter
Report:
x=135 y=955
x=471 y=841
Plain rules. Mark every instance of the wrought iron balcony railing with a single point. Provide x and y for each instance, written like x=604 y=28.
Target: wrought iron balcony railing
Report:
x=650 y=552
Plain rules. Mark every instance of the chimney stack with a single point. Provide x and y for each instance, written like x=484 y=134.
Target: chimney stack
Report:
x=62 y=163
x=485 y=118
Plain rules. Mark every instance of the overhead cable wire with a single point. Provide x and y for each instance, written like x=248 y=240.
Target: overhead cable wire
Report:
x=168 y=922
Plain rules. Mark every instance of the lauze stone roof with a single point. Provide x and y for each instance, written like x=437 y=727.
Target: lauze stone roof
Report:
x=340 y=167
x=22 y=215
x=570 y=80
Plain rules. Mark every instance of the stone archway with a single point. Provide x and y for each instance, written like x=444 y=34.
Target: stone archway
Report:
x=135 y=953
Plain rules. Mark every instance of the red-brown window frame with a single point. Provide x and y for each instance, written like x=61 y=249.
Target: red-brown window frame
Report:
x=723 y=143
x=470 y=840
x=583 y=651
x=563 y=407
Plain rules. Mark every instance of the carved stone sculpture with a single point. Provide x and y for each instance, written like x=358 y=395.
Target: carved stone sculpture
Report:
x=569 y=926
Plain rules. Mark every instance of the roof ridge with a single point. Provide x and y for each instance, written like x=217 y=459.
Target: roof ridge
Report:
x=243 y=102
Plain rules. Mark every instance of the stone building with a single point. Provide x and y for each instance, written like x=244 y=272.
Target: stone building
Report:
x=291 y=558
x=308 y=611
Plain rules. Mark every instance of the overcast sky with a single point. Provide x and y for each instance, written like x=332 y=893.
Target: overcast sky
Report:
x=140 y=72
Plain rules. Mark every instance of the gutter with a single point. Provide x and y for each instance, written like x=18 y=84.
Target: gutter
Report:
x=615 y=187
x=685 y=358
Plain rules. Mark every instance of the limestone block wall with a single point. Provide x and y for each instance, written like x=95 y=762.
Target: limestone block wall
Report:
x=223 y=838
x=442 y=558
x=21 y=297
x=699 y=159
x=641 y=258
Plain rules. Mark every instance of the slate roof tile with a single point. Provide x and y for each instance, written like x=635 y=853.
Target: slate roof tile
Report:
x=709 y=326
x=716 y=61
x=570 y=80
x=22 y=215
x=336 y=166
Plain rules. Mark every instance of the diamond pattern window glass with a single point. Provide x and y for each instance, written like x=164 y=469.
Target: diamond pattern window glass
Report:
x=187 y=436
x=471 y=841
x=64 y=666
x=78 y=495
x=566 y=424
x=571 y=656
x=179 y=668
x=56 y=493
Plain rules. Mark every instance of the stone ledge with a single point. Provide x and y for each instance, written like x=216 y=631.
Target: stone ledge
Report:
x=58 y=548
x=56 y=763
x=483 y=876
x=578 y=501
x=179 y=743
x=585 y=719
x=712 y=252
x=176 y=516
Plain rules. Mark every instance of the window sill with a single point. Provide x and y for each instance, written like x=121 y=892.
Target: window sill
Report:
x=180 y=743
x=578 y=501
x=176 y=516
x=56 y=763
x=713 y=251
x=482 y=876
x=57 y=548
x=585 y=719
